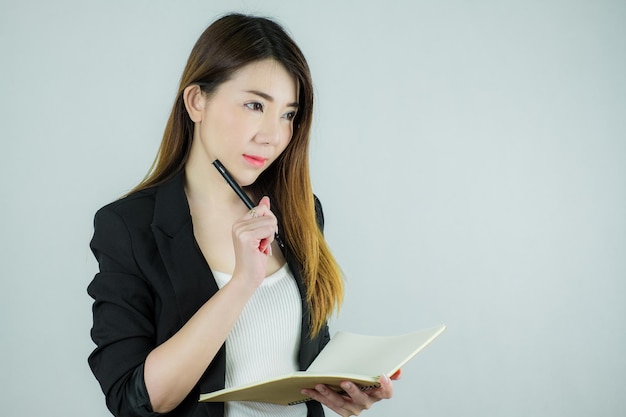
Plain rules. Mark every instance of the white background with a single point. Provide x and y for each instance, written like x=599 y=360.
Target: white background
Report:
x=470 y=155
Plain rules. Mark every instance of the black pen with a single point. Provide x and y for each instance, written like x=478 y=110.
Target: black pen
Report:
x=242 y=194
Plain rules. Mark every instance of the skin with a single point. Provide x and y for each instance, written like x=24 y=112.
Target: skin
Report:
x=355 y=400
x=246 y=124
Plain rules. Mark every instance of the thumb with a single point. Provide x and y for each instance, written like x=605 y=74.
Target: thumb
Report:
x=265 y=201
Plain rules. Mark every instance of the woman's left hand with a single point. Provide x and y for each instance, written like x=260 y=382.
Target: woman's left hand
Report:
x=353 y=401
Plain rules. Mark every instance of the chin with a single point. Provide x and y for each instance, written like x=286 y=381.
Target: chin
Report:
x=248 y=180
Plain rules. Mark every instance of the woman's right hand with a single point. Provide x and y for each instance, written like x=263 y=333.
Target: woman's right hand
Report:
x=253 y=235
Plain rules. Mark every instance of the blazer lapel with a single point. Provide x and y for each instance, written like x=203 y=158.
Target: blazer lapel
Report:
x=187 y=269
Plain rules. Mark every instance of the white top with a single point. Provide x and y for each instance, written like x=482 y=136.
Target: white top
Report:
x=264 y=342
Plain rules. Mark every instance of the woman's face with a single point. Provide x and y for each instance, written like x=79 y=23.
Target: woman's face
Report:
x=247 y=122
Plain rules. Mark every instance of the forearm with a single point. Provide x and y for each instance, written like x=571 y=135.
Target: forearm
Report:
x=173 y=368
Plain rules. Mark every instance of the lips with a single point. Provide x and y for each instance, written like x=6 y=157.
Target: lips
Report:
x=255 y=160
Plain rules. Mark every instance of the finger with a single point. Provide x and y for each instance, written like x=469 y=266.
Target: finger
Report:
x=265 y=246
x=253 y=213
x=385 y=391
x=254 y=231
x=331 y=399
x=262 y=209
x=359 y=399
x=352 y=402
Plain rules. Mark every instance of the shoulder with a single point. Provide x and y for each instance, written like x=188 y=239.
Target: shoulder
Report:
x=136 y=208
x=120 y=224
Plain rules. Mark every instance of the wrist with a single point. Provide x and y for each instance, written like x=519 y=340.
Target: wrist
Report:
x=241 y=288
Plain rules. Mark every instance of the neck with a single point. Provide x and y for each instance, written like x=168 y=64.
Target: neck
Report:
x=205 y=187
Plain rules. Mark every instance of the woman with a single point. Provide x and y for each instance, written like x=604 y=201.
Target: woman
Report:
x=185 y=307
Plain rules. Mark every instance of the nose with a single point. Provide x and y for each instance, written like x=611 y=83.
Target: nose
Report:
x=270 y=131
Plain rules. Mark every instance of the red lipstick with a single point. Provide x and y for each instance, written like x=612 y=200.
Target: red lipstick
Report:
x=254 y=160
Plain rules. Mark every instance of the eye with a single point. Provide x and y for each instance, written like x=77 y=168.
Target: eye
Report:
x=255 y=105
x=289 y=115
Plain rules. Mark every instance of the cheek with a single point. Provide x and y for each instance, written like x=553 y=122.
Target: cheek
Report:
x=287 y=134
x=226 y=128
x=288 y=138
x=229 y=122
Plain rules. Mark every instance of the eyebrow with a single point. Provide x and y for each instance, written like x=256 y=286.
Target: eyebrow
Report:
x=270 y=98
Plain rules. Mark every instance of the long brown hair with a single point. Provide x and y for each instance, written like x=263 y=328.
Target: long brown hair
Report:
x=230 y=43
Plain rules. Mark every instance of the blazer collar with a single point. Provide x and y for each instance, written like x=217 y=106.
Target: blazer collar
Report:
x=171 y=210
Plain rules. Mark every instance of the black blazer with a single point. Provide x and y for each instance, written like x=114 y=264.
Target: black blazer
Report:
x=152 y=279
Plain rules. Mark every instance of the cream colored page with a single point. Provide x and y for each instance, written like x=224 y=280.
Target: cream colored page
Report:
x=371 y=355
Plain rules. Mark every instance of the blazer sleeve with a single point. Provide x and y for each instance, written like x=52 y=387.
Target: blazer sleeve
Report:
x=123 y=325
